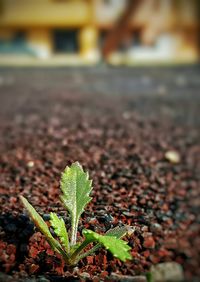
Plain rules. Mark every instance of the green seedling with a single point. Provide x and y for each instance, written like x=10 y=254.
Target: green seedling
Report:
x=76 y=187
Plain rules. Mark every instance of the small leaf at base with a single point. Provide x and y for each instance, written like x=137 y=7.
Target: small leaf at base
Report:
x=117 y=247
x=118 y=232
x=58 y=225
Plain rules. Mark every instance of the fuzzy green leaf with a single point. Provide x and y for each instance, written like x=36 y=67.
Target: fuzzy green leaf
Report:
x=41 y=225
x=117 y=247
x=76 y=187
x=58 y=225
x=118 y=232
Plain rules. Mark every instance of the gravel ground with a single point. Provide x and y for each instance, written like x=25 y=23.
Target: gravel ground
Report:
x=120 y=124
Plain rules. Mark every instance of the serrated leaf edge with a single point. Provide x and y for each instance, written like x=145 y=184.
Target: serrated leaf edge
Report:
x=60 y=230
x=64 y=198
x=98 y=238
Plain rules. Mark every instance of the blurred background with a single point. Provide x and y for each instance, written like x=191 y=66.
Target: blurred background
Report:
x=130 y=116
x=85 y=32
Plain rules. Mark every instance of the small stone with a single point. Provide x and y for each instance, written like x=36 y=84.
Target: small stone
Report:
x=165 y=207
x=127 y=278
x=85 y=275
x=166 y=272
x=156 y=228
x=13 y=200
x=90 y=259
x=75 y=270
x=173 y=157
x=146 y=253
x=30 y=164
x=107 y=218
x=33 y=252
x=149 y=243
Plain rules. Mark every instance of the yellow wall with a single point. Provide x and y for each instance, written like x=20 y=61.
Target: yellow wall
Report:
x=76 y=13
x=38 y=18
x=45 y=13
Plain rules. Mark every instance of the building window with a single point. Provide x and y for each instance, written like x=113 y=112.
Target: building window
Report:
x=65 y=41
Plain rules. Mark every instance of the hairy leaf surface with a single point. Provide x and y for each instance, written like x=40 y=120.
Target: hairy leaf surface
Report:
x=76 y=187
x=58 y=225
x=117 y=247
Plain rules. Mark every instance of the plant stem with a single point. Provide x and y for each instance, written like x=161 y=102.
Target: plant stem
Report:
x=79 y=249
x=60 y=250
x=64 y=255
x=74 y=232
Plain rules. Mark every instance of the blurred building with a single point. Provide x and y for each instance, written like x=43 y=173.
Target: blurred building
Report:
x=75 y=31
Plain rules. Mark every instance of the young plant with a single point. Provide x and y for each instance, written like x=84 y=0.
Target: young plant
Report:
x=76 y=187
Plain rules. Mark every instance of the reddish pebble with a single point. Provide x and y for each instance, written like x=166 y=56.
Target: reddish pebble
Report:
x=165 y=207
x=90 y=259
x=146 y=253
x=33 y=252
x=149 y=243
x=13 y=200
